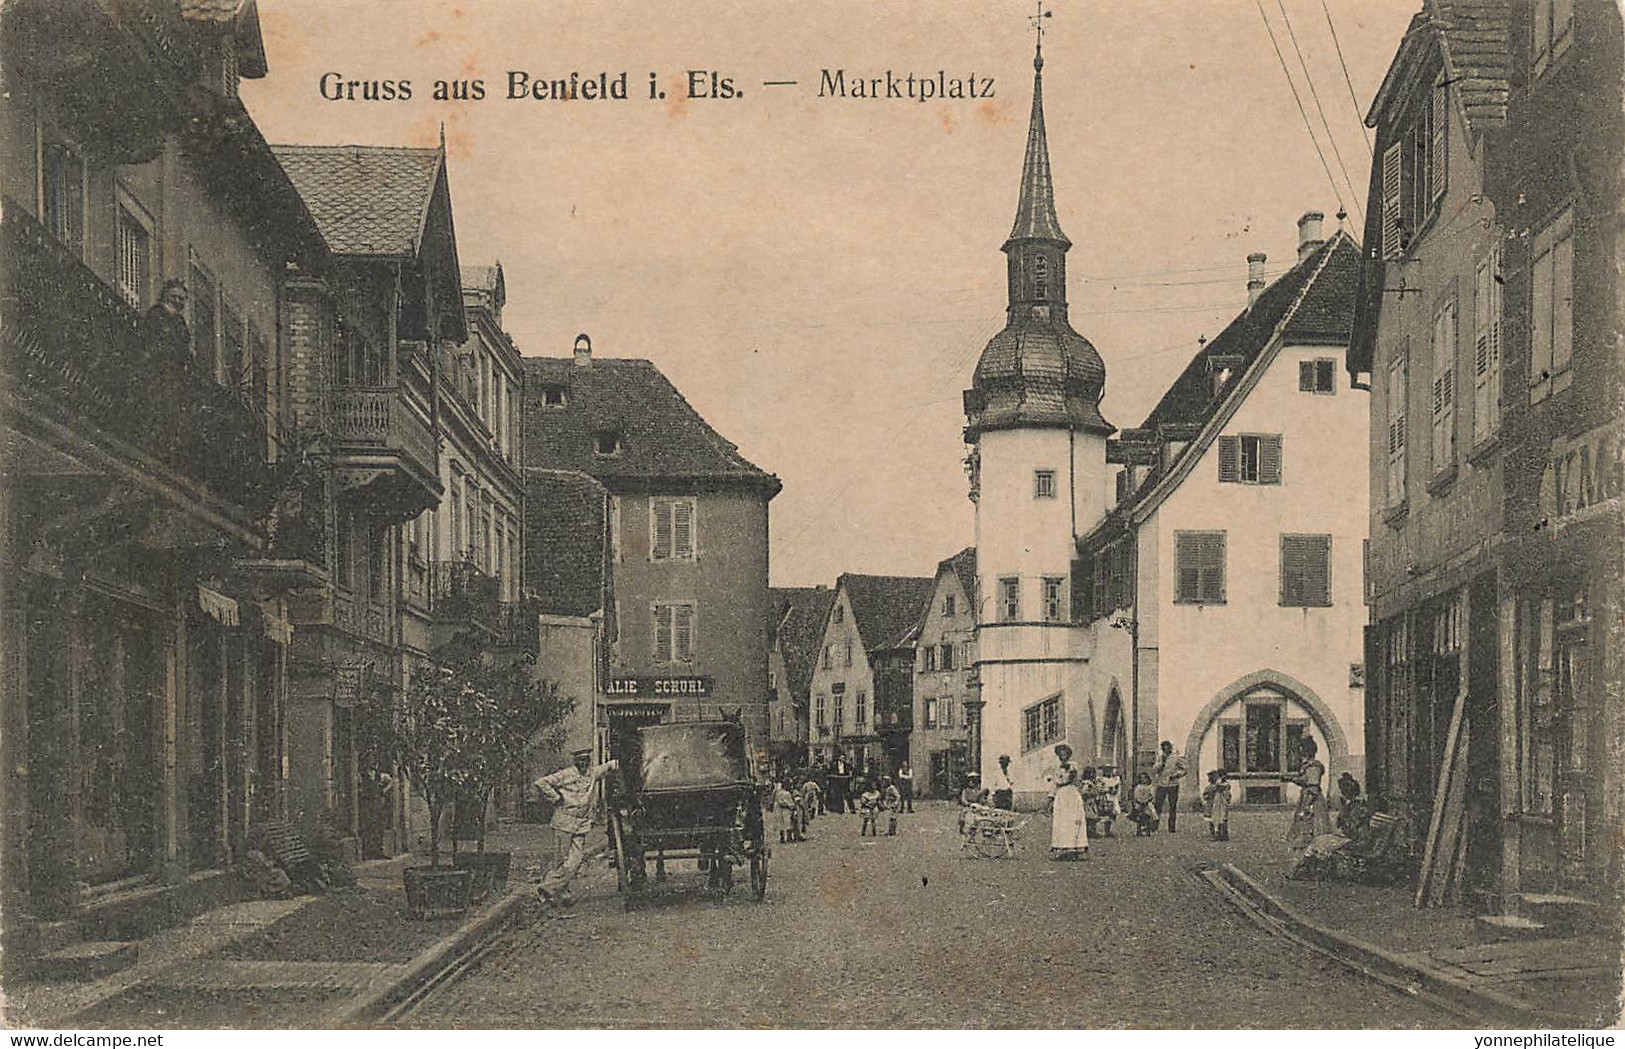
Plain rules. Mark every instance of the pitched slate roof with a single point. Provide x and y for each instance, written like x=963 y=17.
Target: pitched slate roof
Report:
x=1312 y=303
x=367 y=200
x=963 y=565
x=886 y=608
x=798 y=623
x=1317 y=305
x=564 y=541
x=1475 y=42
x=661 y=435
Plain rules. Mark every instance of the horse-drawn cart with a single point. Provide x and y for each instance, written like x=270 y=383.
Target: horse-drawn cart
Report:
x=685 y=792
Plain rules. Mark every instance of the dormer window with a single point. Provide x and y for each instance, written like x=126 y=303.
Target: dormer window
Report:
x=606 y=443
x=554 y=396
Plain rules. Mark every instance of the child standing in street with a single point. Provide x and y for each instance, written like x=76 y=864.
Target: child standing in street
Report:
x=1219 y=811
x=869 y=809
x=894 y=807
x=1142 y=806
x=784 y=811
x=1111 y=786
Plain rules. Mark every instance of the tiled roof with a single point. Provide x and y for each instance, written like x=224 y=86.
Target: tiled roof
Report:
x=1312 y=303
x=963 y=565
x=798 y=619
x=886 y=607
x=564 y=541
x=660 y=433
x=367 y=200
x=1319 y=312
x=1476 y=37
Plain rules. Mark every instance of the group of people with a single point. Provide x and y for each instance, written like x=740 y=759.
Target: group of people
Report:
x=798 y=797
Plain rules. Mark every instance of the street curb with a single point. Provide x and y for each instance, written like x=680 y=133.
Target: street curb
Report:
x=377 y=999
x=1407 y=970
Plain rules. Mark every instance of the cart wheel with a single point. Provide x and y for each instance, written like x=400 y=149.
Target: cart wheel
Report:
x=988 y=844
x=758 y=875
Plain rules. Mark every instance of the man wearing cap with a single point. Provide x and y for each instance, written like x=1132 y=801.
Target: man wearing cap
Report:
x=571 y=792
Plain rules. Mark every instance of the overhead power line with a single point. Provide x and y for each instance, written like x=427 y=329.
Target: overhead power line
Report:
x=1292 y=34
x=1359 y=114
x=1307 y=126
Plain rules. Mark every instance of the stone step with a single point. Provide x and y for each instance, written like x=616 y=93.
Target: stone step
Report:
x=1556 y=910
x=89 y=960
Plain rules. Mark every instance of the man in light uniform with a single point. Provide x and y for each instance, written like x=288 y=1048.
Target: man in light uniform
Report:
x=571 y=792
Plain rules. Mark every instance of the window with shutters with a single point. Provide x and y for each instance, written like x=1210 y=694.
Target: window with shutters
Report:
x=945 y=656
x=1438 y=141
x=1250 y=459
x=134 y=257
x=840 y=709
x=821 y=711
x=201 y=304
x=1444 y=386
x=928 y=659
x=674 y=633
x=62 y=185
x=1395 y=396
x=1393 y=220
x=671 y=529
x=1551 y=321
x=1043 y=484
x=1306 y=571
x=1487 y=346
x=929 y=712
x=1199 y=567
x=1053 y=590
x=1317 y=376
x=1010 y=599
x=1551 y=33
x=945 y=712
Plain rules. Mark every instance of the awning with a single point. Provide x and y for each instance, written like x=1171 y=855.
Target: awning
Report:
x=218 y=606
x=278 y=630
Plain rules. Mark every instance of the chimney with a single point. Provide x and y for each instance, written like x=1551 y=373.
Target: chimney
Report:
x=1255 y=276
x=583 y=351
x=1309 y=237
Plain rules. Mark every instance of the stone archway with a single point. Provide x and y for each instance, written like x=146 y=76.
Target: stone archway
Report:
x=1114 y=733
x=1331 y=730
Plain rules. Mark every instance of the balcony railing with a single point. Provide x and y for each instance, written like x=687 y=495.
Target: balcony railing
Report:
x=70 y=341
x=378 y=417
x=460 y=591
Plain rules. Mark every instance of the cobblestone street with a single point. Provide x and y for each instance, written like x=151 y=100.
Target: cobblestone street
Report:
x=906 y=932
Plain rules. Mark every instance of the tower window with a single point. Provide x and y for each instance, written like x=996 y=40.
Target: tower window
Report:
x=1043 y=484
x=1010 y=599
x=1040 y=278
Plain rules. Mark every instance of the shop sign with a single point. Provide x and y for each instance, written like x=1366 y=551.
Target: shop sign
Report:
x=1584 y=476
x=639 y=711
x=697 y=686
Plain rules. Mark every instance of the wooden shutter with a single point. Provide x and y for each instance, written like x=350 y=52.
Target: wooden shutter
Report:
x=1562 y=303
x=1306 y=570
x=682 y=529
x=1397 y=394
x=1325 y=376
x=682 y=633
x=1229 y=459
x=1269 y=459
x=1487 y=347
x=663 y=633
x=1391 y=196
x=1439 y=124
x=1212 y=562
x=1444 y=386
x=1199 y=558
x=661 y=512
x=1306 y=376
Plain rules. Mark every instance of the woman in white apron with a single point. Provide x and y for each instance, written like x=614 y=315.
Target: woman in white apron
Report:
x=1069 y=833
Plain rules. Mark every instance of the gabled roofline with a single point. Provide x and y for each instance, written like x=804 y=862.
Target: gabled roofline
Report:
x=1231 y=402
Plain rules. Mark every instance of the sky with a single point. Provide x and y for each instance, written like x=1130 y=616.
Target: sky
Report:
x=819 y=275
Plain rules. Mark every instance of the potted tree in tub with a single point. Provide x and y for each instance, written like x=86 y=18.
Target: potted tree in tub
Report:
x=432 y=746
x=511 y=710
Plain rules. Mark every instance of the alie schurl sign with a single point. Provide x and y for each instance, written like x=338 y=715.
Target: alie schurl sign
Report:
x=698 y=686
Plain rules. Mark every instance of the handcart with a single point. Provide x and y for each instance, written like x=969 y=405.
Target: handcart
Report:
x=989 y=832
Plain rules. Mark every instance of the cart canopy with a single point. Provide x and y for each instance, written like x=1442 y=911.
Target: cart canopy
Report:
x=689 y=755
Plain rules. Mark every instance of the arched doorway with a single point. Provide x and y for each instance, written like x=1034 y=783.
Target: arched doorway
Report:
x=1254 y=729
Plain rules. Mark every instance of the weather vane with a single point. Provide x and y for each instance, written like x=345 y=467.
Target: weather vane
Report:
x=1038 y=28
